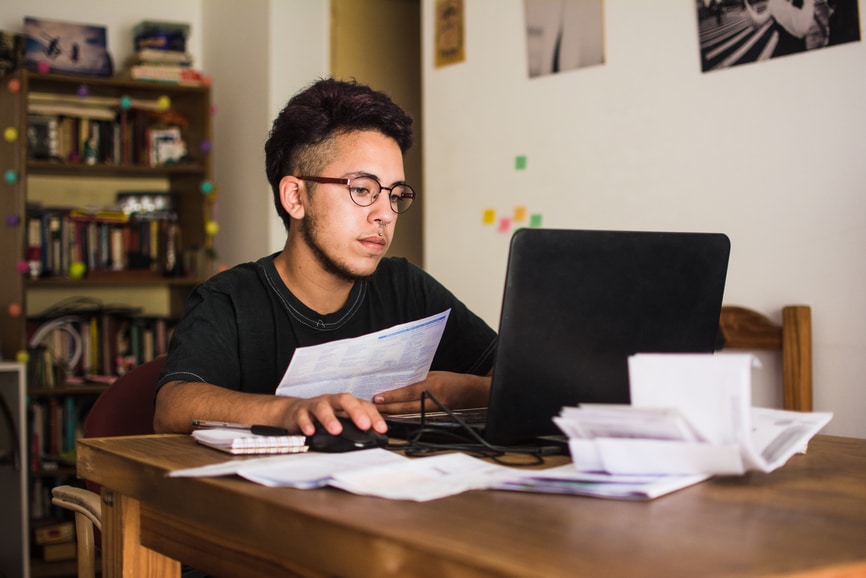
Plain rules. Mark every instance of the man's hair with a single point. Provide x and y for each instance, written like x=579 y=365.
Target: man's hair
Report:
x=299 y=140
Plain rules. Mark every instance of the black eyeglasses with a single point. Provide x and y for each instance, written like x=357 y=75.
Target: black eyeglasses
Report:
x=365 y=190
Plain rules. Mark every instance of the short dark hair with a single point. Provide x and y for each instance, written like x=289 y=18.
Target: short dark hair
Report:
x=323 y=110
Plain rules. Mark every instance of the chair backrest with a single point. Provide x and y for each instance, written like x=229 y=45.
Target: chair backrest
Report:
x=743 y=328
x=126 y=406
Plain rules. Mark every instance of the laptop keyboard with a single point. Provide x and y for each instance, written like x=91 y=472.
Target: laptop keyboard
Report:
x=473 y=416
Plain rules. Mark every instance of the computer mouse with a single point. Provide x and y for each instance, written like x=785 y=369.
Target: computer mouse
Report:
x=350 y=439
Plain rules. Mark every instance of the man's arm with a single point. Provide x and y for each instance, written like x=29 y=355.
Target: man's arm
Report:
x=454 y=390
x=180 y=402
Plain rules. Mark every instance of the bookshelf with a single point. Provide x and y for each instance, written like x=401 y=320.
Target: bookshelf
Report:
x=108 y=211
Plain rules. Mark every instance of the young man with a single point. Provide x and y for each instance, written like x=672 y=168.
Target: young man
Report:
x=334 y=160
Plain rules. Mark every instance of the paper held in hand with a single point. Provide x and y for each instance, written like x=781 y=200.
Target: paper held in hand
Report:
x=689 y=414
x=366 y=365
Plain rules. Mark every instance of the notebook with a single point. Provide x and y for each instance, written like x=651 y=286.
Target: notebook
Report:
x=576 y=305
x=237 y=442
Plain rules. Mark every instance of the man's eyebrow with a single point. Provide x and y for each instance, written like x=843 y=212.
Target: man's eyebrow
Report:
x=357 y=174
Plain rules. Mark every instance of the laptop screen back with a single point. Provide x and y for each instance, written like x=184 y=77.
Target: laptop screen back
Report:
x=577 y=303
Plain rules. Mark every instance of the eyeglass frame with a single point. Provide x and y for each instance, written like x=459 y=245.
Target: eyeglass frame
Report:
x=374 y=197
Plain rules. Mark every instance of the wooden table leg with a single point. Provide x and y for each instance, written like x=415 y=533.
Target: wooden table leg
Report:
x=123 y=556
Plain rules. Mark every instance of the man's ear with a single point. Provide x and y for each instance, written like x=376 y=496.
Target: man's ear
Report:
x=291 y=197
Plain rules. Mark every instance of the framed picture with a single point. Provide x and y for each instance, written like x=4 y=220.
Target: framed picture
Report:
x=66 y=47
x=735 y=32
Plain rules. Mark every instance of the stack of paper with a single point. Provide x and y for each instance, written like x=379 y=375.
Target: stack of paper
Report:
x=690 y=414
x=385 y=474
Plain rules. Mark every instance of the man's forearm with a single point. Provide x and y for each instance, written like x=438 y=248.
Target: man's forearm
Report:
x=180 y=402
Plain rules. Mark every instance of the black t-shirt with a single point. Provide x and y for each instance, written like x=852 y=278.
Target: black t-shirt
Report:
x=242 y=326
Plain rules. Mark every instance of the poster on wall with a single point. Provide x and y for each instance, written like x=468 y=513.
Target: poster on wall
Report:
x=450 y=41
x=734 y=32
x=563 y=35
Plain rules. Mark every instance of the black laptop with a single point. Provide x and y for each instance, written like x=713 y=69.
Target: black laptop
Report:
x=576 y=304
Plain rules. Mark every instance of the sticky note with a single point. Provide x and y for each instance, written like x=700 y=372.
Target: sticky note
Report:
x=489 y=217
x=519 y=214
x=504 y=225
x=520 y=162
x=535 y=220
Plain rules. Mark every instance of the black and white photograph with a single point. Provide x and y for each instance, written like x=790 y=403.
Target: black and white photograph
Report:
x=563 y=35
x=734 y=32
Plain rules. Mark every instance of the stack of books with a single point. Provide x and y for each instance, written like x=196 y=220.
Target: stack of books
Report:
x=161 y=55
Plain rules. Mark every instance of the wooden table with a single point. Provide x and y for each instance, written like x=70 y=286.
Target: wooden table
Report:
x=806 y=519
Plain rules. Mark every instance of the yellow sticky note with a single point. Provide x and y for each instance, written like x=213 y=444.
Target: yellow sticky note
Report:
x=489 y=216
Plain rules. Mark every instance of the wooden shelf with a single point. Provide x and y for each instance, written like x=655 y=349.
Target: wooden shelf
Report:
x=127 y=113
x=86 y=389
x=112 y=279
x=49 y=168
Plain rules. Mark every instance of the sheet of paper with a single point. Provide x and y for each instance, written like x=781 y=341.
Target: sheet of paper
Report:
x=315 y=470
x=306 y=470
x=567 y=480
x=366 y=365
x=423 y=479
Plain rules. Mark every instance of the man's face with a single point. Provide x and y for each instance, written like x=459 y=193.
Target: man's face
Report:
x=347 y=240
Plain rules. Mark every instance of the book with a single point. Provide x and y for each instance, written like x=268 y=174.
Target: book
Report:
x=59 y=551
x=239 y=442
x=159 y=56
x=54 y=533
x=172 y=73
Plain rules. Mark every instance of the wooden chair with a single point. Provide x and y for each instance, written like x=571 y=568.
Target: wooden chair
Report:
x=743 y=328
x=124 y=408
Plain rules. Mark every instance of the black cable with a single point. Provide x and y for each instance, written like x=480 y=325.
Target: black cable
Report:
x=472 y=444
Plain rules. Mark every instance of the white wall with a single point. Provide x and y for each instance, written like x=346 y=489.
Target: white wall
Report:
x=260 y=52
x=299 y=54
x=770 y=153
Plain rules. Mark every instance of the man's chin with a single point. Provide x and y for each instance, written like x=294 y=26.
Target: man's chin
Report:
x=359 y=271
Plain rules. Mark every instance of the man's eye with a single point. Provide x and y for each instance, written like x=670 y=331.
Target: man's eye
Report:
x=359 y=191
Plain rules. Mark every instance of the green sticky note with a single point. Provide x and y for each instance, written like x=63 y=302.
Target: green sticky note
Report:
x=520 y=162
x=535 y=220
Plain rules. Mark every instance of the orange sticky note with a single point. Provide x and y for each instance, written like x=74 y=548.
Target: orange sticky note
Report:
x=519 y=214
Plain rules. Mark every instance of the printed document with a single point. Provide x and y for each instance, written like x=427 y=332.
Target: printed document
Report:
x=366 y=365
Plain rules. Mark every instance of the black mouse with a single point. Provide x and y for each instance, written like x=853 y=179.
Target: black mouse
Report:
x=350 y=439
